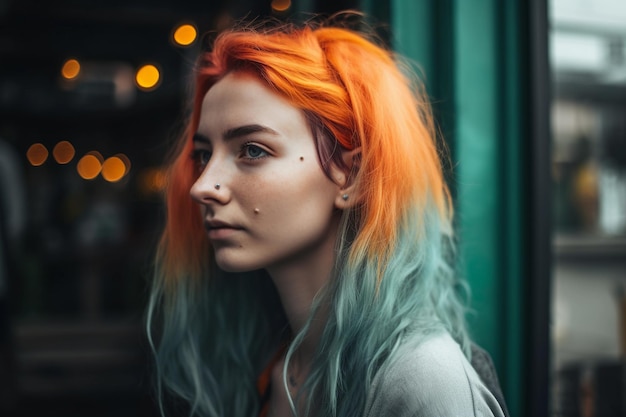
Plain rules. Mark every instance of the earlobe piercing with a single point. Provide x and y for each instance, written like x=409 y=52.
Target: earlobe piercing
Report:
x=217 y=186
x=345 y=197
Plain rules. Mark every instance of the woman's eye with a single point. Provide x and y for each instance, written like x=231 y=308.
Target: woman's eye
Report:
x=251 y=151
x=201 y=157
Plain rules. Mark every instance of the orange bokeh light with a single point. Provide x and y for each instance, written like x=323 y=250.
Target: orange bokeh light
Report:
x=152 y=180
x=113 y=169
x=147 y=77
x=89 y=166
x=37 y=154
x=185 y=35
x=63 y=152
x=71 y=69
x=125 y=160
x=281 y=5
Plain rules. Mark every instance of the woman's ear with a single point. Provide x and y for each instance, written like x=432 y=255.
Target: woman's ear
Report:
x=346 y=194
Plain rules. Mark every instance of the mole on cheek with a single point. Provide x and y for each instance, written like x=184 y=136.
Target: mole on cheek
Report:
x=302 y=158
x=257 y=211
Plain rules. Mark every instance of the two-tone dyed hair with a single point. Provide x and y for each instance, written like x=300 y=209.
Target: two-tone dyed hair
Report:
x=212 y=331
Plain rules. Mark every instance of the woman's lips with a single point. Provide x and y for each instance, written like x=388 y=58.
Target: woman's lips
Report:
x=217 y=230
x=221 y=233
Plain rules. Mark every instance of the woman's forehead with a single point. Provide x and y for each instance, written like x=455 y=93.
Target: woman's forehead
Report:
x=241 y=99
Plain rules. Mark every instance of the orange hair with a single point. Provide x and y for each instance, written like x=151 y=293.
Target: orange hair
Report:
x=359 y=95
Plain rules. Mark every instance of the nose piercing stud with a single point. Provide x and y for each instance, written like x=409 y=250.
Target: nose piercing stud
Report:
x=345 y=197
x=217 y=186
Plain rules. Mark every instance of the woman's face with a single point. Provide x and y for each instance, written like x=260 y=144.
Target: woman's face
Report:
x=265 y=200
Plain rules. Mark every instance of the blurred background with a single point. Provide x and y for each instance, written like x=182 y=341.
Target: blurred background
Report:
x=529 y=95
x=588 y=132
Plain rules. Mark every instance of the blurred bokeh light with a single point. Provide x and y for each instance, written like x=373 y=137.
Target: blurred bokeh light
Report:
x=148 y=77
x=71 y=69
x=185 y=35
x=125 y=160
x=152 y=180
x=281 y=5
x=63 y=152
x=113 y=169
x=37 y=154
x=89 y=166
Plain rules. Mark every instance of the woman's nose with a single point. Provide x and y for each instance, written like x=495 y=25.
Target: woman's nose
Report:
x=209 y=188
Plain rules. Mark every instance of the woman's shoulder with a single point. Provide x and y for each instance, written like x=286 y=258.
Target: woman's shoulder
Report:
x=429 y=378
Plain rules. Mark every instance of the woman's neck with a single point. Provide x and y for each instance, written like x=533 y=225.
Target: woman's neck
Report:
x=298 y=283
x=297 y=294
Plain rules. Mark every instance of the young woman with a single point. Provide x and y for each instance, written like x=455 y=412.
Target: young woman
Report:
x=304 y=269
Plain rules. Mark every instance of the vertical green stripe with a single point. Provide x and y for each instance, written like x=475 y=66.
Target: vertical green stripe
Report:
x=513 y=237
x=412 y=23
x=478 y=187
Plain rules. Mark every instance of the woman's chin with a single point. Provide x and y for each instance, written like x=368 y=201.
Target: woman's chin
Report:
x=228 y=264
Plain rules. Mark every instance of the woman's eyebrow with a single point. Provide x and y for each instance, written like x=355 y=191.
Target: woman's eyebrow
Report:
x=199 y=137
x=246 y=130
x=236 y=132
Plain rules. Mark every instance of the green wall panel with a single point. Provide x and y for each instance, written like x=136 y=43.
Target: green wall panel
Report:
x=412 y=28
x=476 y=144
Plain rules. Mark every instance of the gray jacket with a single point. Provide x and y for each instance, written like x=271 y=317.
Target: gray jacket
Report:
x=432 y=378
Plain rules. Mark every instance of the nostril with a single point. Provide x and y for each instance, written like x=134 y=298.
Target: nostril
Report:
x=206 y=191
